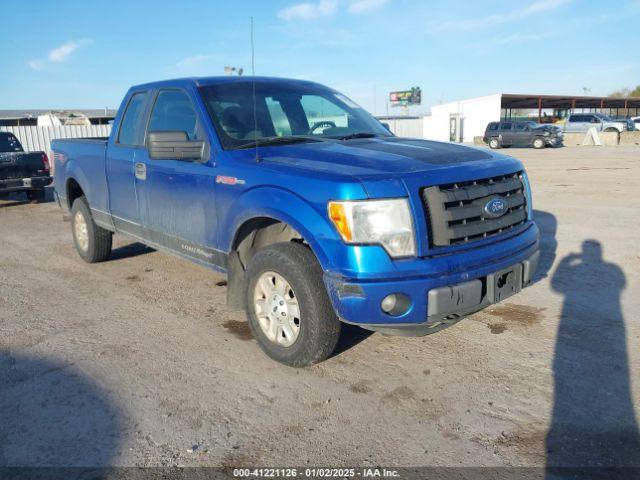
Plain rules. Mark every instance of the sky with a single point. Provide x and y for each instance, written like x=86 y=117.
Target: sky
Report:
x=79 y=54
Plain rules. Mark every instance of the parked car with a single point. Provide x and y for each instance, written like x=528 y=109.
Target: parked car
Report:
x=22 y=171
x=523 y=134
x=334 y=220
x=636 y=122
x=581 y=122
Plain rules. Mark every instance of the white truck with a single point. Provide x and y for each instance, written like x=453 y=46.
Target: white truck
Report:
x=581 y=122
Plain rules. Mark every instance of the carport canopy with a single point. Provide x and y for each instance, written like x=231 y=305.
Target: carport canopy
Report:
x=511 y=101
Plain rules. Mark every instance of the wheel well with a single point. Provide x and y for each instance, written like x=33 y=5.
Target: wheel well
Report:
x=73 y=191
x=257 y=233
x=252 y=236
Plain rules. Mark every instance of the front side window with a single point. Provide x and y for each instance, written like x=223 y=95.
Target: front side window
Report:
x=520 y=126
x=174 y=112
x=284 y=110
x=132 y=126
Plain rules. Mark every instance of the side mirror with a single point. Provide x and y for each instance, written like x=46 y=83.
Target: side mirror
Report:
x=386 y=125
x=174 y=146
x=595 y=120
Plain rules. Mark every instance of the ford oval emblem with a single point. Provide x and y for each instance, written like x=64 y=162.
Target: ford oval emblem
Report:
x=496 y=207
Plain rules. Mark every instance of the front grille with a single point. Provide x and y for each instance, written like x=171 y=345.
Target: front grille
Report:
x=455 y=211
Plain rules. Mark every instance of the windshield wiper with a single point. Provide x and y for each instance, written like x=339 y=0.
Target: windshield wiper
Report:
x=266 y=141
x=358 y=135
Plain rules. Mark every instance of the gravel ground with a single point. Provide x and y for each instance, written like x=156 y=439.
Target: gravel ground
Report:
x=136 y=361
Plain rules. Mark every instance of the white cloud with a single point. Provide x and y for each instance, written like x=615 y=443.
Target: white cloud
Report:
x=362 y=6
x=538 y=6
x=60 y=54
x=194 y=61
x=522 y=37
x=308 y=11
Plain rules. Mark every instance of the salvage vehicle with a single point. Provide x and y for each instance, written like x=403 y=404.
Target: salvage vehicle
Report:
x=22 y=171
x=522 y=134
x=581 y=122
x=316 y=213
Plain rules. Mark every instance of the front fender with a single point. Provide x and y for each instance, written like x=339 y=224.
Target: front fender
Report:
x=287 y=207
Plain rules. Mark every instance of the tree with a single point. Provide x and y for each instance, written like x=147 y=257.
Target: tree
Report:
x=626 y=92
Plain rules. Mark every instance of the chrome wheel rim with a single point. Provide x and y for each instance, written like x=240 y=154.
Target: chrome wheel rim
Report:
x=81 y=232
x=277 y=309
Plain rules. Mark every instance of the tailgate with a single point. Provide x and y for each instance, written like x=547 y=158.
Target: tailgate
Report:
x=21 y=165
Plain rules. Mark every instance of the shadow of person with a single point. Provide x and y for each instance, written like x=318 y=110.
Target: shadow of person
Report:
x=53 y=416
x=594 y=423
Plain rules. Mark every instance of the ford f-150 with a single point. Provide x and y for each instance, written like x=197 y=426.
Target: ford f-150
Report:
x=316 y=213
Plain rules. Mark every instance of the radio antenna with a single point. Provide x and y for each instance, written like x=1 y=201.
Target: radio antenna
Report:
x=253 y=88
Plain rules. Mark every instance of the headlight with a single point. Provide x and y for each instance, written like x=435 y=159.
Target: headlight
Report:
x=527 y=194
x=383 y=222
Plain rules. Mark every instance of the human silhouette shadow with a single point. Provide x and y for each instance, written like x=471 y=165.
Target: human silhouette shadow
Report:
x=51 y=415
x=593 y=424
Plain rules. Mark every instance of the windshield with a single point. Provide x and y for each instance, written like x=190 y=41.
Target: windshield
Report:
x=604 y=117
x=284 y=109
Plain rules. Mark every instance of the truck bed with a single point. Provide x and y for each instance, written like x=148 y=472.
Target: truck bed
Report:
x=82 y=159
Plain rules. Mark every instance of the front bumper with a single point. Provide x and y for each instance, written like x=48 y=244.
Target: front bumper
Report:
x=436 y=301
x=21 y=184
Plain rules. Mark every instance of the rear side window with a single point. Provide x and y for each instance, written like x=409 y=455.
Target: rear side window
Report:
x=505 y=126
x=493 y=126
x=9 y=143
x=577 y=118
x=132 y=126
x=174 y=112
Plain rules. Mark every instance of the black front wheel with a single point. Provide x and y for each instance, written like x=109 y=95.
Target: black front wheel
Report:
x=539 y=143
x=36 y=196
x=92 y=242
x=287 y=305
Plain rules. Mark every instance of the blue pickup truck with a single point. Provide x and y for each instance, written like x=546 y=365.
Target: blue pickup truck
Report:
x=316 y=213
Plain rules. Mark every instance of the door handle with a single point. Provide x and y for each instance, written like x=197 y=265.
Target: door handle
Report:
x=141 y=171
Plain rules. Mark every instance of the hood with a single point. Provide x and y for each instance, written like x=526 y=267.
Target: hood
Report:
x=382 y=156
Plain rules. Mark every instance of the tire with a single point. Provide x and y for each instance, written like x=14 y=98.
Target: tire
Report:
x=36 y=196
x=538 y=143
x=318 y=327
x=92 y=242
x=494 y=143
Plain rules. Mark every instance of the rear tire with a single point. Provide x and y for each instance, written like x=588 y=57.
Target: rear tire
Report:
x=36 y=196
x=318 y=327
x=538 y=143
x=92 y=242
x=494 y=143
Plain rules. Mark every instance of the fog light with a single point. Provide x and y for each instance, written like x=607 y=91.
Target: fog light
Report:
x=395 y=304
x=389 y=303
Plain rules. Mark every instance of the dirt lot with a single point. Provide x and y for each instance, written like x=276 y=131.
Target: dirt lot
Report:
x=136 y=361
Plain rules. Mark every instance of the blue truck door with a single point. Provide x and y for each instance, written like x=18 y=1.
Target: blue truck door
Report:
x=176 y=197
x=121 y=153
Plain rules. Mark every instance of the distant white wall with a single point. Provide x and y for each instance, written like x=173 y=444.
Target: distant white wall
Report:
x=39 y=138
x=475 y=113
x=405 y=127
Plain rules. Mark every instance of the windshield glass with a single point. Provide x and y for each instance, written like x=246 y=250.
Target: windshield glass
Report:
x=283 y=109
x=604 y=117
